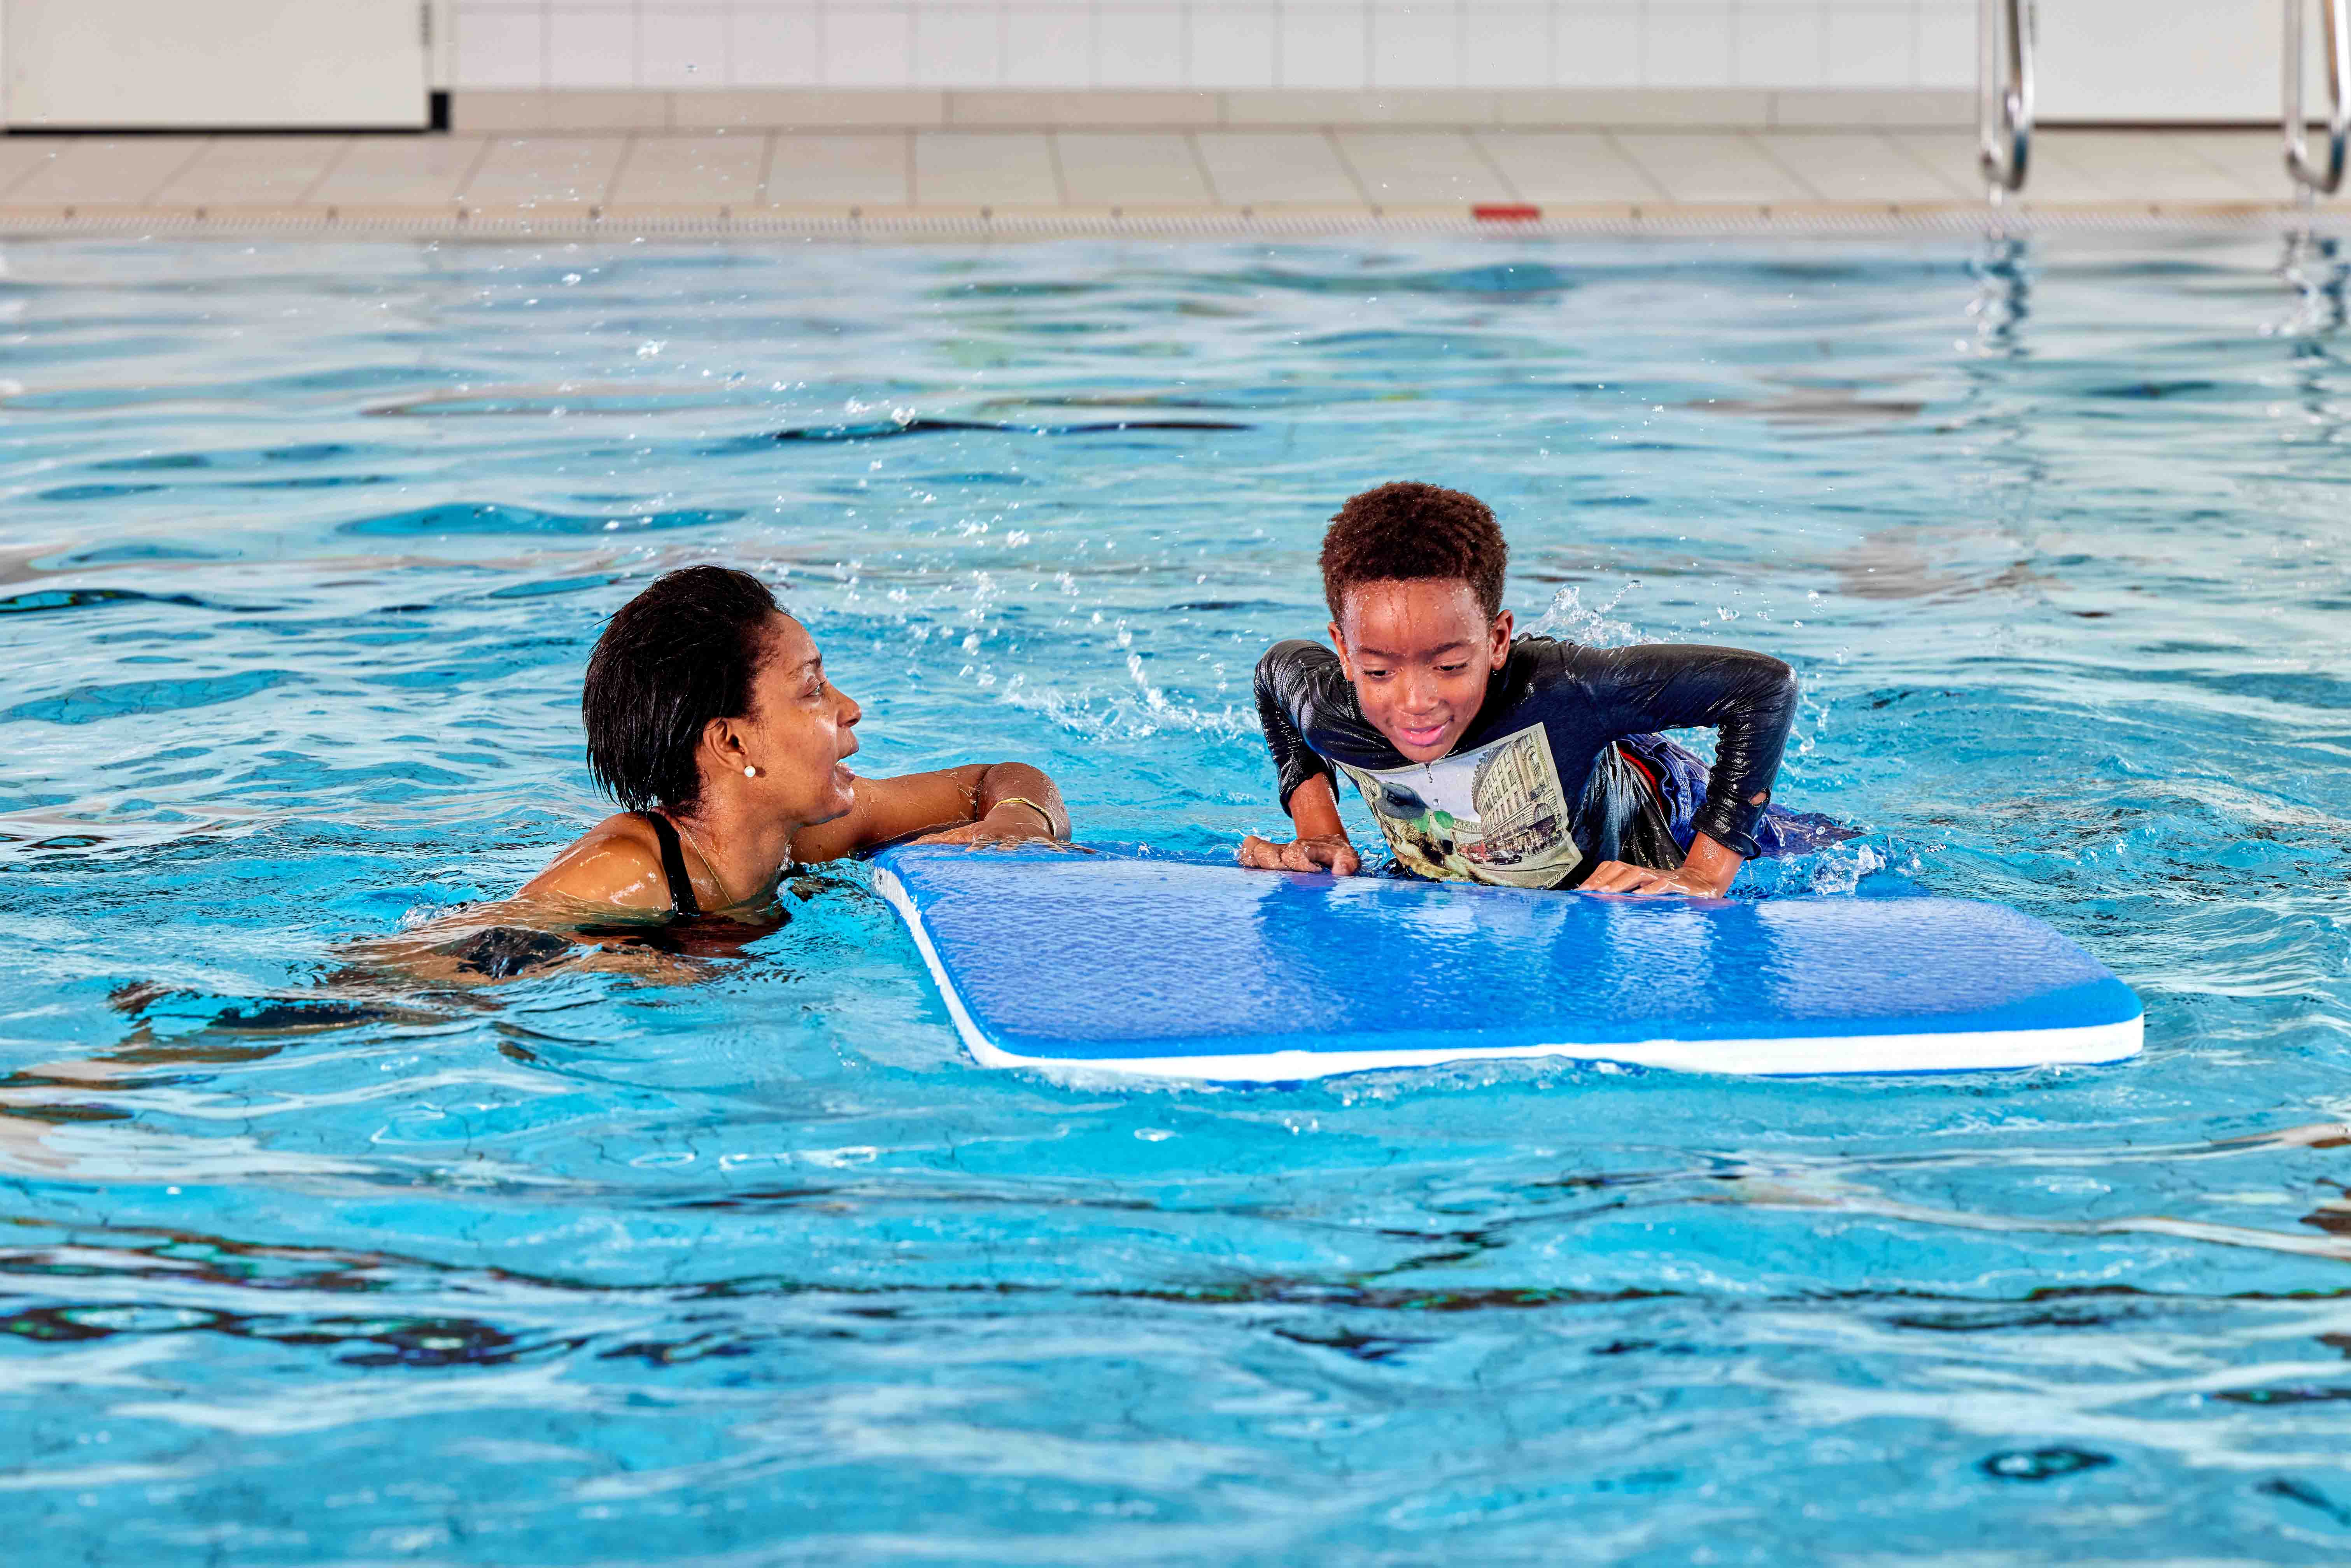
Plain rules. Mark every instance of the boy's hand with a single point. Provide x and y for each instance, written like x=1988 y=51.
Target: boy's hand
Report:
x=1706 y=871
x=1322 y=844
x=1320 y=852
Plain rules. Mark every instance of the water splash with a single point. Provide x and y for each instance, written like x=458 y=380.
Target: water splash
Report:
x=1572 y=620
x=1137 y=715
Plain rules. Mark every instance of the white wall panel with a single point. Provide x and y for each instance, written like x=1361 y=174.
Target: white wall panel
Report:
x=1687 y=45
x=156 y=64
x=1506 y=45
x=682 y=46
x=2163 y=59
x=1324 y=45
x=501 y=46
x=959 y=46
x=1775 y=43
x=1139 y=46
x=2101 y=58
x=1235 y=45
x=1596 y=45
x=1947 y=44
x=1870 y=46
x=869 y=45
x=591 y=49
x=773 y=46
x=1048 y=47
x=1415 y=46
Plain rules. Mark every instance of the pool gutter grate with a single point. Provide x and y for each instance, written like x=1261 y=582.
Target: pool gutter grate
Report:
x=899 y=224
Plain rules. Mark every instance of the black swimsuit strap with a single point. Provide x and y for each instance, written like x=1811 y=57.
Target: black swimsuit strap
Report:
x=680 y=887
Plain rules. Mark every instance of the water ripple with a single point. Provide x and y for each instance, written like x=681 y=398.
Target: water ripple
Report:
x=307 y=1264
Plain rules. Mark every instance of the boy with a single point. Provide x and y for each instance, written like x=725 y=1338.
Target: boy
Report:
x=1529 y=763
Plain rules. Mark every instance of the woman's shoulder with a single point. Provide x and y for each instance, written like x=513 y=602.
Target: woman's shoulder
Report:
x=616 y=864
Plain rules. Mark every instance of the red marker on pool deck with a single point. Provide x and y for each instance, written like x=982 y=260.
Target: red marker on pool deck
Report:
x=1505 y=212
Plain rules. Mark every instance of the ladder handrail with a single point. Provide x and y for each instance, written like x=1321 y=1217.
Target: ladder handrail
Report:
x=2004 y=85
x=2306 y=174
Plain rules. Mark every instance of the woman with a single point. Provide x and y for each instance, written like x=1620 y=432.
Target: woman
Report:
x=710 y=720
x=709 y=717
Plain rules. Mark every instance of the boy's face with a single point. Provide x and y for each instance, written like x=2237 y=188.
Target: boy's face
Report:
x=1419 y=653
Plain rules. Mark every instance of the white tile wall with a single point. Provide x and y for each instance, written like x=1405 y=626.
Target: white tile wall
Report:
x=1415 y=46
x=1236 y=44
x=1323 y=43
x=1505 y=45
x=499 y=46
x=1947 y=43
x=1686 y=45
x=866 y=46
x=1048 y=46
x=1779 y=43
x=1596 y=46
x=775 y=46
x=591 y=49
x=1078 y=44
x=1867 y=42
x=959 y=46
x=1140 y=46
x=681 y=47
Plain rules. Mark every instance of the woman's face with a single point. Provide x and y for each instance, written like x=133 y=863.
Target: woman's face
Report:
x=800 y=731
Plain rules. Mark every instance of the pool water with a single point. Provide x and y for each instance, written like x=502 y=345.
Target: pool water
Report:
x=305 y=547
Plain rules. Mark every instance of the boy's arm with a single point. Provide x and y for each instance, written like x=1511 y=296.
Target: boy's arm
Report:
x=1748 y=699
x=1706 y=870
x=1304 y=778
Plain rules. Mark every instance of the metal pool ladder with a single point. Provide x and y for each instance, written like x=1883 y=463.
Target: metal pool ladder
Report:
x=2004 y=85
x=2311 y=179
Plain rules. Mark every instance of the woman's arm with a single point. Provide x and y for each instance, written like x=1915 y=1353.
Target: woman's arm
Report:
x=991 y=802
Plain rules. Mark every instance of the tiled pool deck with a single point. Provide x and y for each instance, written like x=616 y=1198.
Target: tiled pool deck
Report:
x=1170 y=179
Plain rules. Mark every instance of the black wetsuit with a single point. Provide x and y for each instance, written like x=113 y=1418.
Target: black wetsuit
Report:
x=1561 y=768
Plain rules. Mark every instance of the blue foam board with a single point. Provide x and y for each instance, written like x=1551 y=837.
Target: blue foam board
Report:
x=1170 y=967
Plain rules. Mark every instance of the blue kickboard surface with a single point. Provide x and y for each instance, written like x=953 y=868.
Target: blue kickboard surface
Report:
x=1166 y=965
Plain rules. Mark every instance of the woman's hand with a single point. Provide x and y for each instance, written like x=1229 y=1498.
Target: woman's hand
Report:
x=1320 y=852
x=1706 y=871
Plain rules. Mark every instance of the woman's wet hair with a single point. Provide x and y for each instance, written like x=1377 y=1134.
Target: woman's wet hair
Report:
x=681 y=654
x=1407 y=531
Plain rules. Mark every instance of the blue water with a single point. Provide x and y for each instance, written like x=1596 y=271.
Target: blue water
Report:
x=302 y=553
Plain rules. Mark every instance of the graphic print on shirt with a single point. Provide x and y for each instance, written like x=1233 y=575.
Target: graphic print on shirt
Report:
x=1496 y=814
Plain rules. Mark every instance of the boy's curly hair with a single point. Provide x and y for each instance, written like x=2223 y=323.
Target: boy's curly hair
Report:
x=1406 y=530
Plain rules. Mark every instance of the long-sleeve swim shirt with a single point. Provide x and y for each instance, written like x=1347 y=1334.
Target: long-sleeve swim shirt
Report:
x=1504 y=806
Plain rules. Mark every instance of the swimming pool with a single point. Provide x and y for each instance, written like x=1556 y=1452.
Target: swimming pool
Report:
x=306 y=546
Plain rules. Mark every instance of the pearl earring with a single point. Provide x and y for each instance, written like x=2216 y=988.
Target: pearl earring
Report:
x=749 y=771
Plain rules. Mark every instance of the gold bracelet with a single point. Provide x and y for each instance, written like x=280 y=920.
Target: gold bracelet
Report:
x=1050 y=832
